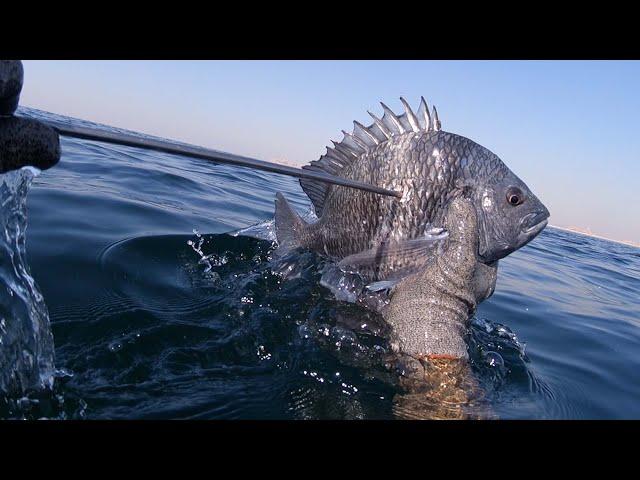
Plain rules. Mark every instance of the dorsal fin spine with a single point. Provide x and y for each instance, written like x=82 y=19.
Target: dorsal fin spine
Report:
x=393 y=117
x=413 y=121
x=344 y=149
x=436 y=121
x=362 y=139
x=383 y=128
x=424 y=112
x=334 y=152
x=355 y=139
x=365 y=131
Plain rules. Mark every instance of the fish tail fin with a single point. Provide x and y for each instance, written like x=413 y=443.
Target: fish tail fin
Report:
x=289 y=225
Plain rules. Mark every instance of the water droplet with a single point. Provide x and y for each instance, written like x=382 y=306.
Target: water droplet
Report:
x=63 y=373
x=493 y=359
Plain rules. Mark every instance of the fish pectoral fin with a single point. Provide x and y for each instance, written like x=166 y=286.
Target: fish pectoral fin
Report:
x=404 y=253
x=382 y=285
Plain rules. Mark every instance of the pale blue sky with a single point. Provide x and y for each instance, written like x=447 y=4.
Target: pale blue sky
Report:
x=569 y=129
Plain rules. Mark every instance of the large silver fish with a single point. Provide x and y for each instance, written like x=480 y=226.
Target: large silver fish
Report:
x=384 y=237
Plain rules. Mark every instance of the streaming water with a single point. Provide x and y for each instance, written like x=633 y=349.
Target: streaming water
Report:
x=26 y=342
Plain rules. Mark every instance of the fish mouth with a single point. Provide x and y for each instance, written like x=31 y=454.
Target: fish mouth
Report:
x=534 y=223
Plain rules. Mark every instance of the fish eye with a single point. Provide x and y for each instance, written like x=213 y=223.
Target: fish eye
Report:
x=515 y=196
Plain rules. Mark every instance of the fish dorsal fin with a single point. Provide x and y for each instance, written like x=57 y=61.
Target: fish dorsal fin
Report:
x=363 y=138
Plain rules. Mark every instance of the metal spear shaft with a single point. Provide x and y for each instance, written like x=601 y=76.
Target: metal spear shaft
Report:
x=167 y=146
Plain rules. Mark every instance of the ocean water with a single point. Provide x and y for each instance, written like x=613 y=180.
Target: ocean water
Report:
x=145 y=327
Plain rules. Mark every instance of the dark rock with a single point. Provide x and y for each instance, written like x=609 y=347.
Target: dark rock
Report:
x=24 y=141
x=11 y=78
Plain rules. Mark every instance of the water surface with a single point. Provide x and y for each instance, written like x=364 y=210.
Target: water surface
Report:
x=145 y=329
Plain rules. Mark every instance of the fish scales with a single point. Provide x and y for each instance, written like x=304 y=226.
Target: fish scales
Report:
x=383 y=236
x=399 y=164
